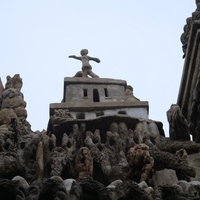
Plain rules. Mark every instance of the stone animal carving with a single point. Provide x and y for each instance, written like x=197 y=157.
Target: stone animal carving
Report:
x=171 y=161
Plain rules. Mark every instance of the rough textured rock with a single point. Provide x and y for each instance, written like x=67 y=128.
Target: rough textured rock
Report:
x=172 y=161
x=194 y=160
x=164 y=177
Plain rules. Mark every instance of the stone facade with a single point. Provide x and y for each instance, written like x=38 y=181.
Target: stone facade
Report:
x=88 y=98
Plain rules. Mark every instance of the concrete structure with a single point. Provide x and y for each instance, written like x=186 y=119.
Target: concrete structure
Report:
x=88 y=98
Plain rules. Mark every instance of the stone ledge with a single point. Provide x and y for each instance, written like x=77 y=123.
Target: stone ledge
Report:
x=80 y=106
x=77 y=80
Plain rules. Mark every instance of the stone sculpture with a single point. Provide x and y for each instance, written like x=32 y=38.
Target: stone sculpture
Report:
x=140 y=162
x=178 y=126
x=86 y=67
x=129 y=94
x=78 y=158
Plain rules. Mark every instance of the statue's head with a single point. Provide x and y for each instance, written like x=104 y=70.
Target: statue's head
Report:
x=84 y=52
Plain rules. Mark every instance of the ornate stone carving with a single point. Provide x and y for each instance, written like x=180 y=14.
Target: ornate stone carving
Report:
x=129 y=94
x=78 y=158
x=140 y=162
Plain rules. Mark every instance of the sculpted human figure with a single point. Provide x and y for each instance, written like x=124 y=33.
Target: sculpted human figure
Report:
x=86 y=67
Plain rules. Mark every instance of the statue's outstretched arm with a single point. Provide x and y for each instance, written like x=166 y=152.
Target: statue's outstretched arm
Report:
x=75 y=57
x=94 y=59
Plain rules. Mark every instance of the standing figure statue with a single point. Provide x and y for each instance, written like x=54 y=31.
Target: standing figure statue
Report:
x=86 y=67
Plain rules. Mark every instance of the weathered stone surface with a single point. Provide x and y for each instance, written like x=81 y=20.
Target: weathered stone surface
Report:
x=20 y=112
x=7 y=115
x=129 y=94
x=10 y=165
x=164 y=177
x=178 y=125
x=194 y=160
x=167 y=160
x=140 y=162
x=174 y=145
x=13 y=102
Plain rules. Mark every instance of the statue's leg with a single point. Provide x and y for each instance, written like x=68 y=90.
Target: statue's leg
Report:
x=92 y=74
x=79 y=74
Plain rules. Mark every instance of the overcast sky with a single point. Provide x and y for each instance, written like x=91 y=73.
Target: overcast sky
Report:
x=136 y=41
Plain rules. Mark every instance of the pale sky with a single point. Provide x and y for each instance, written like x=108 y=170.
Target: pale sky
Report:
x=136 y=41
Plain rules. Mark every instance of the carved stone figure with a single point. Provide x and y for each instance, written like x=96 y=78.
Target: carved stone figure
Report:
x=140 y=162
x=86 y=67
x=17 y=82
x=129 y=94
x=108 y=158
x=178 y=126
x=168 y=160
